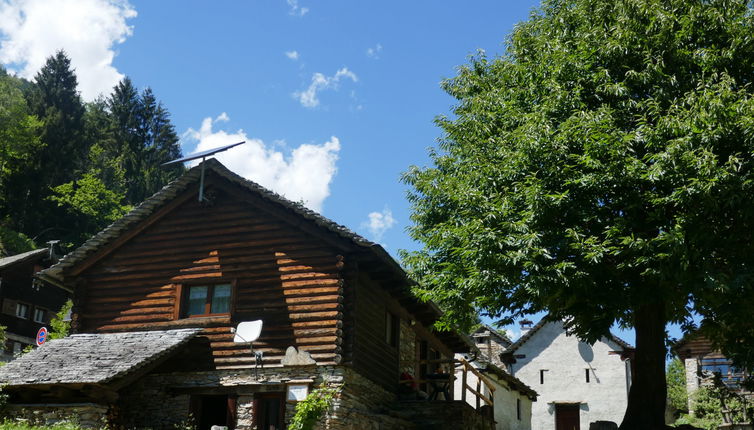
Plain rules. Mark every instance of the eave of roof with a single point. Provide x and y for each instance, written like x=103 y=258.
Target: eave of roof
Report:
x=20 y=258
x=511 y=380
x=92 y=358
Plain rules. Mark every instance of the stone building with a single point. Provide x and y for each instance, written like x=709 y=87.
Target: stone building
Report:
x=491 y=343
x=158 y=294
x=702 y=362
x=577 y=383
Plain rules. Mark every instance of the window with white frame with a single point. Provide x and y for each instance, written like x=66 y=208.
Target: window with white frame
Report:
x=40 y=315
x=22 y=310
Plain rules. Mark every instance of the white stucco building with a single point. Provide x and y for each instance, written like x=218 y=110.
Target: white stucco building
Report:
x=512 y=399
x=577 y=383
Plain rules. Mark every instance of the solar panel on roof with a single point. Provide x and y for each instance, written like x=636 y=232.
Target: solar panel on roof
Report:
x=203 y=154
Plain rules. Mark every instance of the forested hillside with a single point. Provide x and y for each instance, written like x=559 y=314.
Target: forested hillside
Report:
x=69 y=168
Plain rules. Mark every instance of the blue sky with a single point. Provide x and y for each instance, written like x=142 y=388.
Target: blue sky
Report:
x=336 y=98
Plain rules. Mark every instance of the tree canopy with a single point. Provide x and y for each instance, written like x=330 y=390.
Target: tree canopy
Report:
x=601 y=170
x=69 y=168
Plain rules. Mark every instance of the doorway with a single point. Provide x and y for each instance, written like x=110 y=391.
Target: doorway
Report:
x=567 y=417
x=213 y=410
x=269 y=409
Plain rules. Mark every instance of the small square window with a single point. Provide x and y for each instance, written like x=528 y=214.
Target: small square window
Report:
x=207 y=300
x=40 y=315
x=22 y=310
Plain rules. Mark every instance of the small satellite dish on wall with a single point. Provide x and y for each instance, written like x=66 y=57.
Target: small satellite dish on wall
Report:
x=248 y=331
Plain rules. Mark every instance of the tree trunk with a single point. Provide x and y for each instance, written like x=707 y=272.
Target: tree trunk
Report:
x=646 y=399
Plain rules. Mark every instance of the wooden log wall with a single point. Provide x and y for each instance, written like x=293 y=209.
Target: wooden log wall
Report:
x=371 y=354
x=365 y=345
x=280 y=274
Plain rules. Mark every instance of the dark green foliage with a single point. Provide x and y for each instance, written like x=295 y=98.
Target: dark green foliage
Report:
x=602 y=170
x=144 y=139
x=310 y=410
x=68 y=169
x=59 y=327
x=708 y=408
x=676 y=381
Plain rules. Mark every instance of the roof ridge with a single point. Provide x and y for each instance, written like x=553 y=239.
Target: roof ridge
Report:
x=172 y=189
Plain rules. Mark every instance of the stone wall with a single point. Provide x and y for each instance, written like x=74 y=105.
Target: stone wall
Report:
x=161 y=400
x=407 y=348
x=86 y=415
x=692 y=379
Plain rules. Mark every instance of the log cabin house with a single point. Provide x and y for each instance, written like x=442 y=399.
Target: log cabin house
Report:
x=26 y=305
x=158 y=294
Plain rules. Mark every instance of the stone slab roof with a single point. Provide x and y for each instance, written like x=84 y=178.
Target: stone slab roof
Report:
x=172 y=190
x=13 y=259
x=92 y=358
x=532 y=331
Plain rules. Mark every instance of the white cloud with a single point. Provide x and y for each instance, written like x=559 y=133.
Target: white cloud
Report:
x=296 y=10
x=302 y=175
x=308 y=98
x=374 y=52
x=512 y=334
x=293 y=55
x=378 y=223
x=33 y=30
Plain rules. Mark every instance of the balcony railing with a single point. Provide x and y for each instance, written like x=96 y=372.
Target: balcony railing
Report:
x=480 y=390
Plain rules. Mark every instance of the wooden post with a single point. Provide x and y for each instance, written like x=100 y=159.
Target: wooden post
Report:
x=478 y=390
x=463 y=381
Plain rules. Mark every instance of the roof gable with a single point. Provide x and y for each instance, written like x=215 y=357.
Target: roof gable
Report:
x=526 y=337
x=157 y=205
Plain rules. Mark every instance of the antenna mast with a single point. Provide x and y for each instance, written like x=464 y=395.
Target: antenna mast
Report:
x=203 y=155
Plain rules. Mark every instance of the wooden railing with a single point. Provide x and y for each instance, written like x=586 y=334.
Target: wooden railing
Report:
x=480 y=398
x=477 y=392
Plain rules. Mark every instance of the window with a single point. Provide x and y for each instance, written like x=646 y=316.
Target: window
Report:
x=392 y=328
x=40 y=315
x=542 y=376
x=586 y=373
x=518 y=409
x=22 y=310
x=207 y=300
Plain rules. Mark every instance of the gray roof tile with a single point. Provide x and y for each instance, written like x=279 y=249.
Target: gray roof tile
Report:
x=92 y=358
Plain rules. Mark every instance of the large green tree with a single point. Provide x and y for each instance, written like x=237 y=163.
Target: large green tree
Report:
x=602 y=170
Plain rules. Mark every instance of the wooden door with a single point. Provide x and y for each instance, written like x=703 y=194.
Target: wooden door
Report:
x=567 y=417
x=269 y=410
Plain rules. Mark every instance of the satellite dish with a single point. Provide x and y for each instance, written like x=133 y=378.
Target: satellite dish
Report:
x=203 y=155
x=248 y=331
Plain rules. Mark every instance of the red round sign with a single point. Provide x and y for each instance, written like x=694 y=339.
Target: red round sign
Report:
x=41 y=336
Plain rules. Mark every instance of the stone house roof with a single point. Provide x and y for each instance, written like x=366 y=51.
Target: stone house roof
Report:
x=170 y=191
x=532 y=331
x=92 y=358
x=485 y=330
x=18 y=258
x=510 y=380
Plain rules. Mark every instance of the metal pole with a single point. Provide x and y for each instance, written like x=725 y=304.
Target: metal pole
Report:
x=201 y=183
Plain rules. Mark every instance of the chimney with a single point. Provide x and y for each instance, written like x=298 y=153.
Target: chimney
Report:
x=525 y=325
